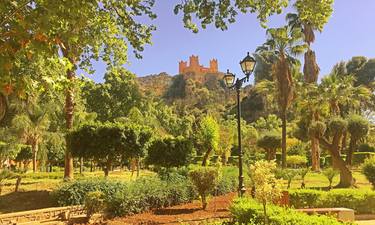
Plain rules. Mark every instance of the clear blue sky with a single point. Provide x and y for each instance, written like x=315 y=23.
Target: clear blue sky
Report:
x=350 y=32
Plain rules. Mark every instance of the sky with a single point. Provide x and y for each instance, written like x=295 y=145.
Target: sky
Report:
x=349 y=32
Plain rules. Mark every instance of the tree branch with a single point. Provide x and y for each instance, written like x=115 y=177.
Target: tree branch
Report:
x=14 y=12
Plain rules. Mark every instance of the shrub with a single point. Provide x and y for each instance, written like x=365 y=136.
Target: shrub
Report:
x=227 y=181
x=127 y=198
x=368 y=169
x=170 y=152
x=362 y=201
x=360 y=157
x=248 y=211
x=330 y=173
x=204 y=180
x=267 y=187
x=73 y=193
x=94 y=202
x=296 y=161
x=366 y=148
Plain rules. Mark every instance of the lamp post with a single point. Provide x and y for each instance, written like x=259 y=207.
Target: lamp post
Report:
x=247 y=66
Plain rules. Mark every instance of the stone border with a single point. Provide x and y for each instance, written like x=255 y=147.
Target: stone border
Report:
x=39 y=215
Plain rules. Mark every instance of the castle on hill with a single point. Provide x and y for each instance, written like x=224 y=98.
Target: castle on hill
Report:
x=195 y=67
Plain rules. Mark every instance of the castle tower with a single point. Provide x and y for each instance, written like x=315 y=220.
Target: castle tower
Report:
x=194 y=61
x=214 y=67
x=182 y=65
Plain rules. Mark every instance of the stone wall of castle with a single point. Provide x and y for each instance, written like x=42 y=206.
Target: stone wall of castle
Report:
x=196 y=68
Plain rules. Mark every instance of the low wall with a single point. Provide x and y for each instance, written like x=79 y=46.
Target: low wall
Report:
x=48 y=214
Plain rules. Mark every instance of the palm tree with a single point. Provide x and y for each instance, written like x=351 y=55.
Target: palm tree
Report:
x=285 y=44
x=32 y=126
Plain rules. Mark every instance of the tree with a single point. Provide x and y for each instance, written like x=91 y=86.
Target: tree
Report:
x=115 y=97
x=223 y=12
x=204 y=180
x=283 y=43
x=170 y=152
x=336 y=128
x=208 y=136
x=267 y=187
x=312 y=16
x=358 y=128
x=108 y=143
x=330 y=173
x=270 y=142
x=81 y=31
x=32 y=126
x=25 y=156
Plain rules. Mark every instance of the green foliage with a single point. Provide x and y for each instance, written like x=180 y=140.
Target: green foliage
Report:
x=115 y=97
x=248 y=211
x=270 y=141
x=316 y=14
x=330 y=173
x=25 y=155
x=368 y=169
x=296 y=161
x=170 y=152
x=204 y=180
x=108 y=143
x=224 y=12
x=208 y=136
x=127 y=198
x=358 y=126
x=362 y=201
x=337 y=125
x=366 y=148
x=227 y=181
x=94 y=202
x=360 y=157
x=288 y=175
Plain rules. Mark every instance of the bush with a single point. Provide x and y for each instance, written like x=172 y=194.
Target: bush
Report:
x=360 y=157
x=94 y=202
x=330 y=173
x=368 y=169
x=227 y=181
x=362 y=201
x=366 y=148
x=127 y=198
x=296 y=161
x=204 y=180
x=248 y=211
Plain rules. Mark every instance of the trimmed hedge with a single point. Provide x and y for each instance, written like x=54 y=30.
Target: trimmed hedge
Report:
x=124 y=198
x=127 y=198
x=249 y=211
x=362 y=201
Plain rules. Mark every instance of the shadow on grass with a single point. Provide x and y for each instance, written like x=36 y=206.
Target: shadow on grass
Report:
x=22 y=201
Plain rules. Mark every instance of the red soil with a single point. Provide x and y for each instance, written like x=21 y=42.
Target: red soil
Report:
x=190 y=213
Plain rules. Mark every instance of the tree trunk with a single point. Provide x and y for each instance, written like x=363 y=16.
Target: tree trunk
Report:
x=205 y=157
x=3 y=106
x=81 y=165
x=283 y=140
x=265 y=212
x=315 y=154
x=349 y=153
x=18 y=182
x=69 y=114
x=138 y=166
x=34 y=148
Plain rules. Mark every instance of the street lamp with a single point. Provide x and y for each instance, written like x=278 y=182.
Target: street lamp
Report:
x=247 y=66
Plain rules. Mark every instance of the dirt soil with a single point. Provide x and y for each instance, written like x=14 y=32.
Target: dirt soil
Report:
x=191 y=213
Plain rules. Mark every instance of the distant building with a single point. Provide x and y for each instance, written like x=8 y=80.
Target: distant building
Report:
x=196 y=68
